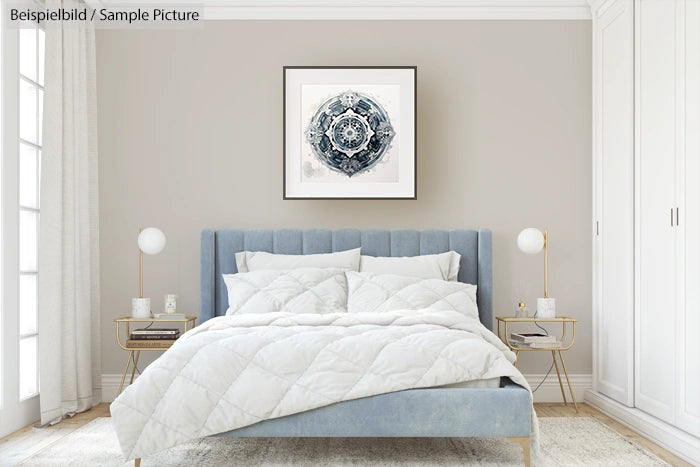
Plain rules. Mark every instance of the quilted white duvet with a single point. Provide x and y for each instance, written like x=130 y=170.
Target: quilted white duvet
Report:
x=238 y=370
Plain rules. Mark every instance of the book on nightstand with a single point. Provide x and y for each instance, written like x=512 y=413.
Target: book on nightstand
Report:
x=155 y=331
x=149 y=343
x=535 y=345
x=155 y=334
x=528 y=338
x=154 y=337
x=544 y=345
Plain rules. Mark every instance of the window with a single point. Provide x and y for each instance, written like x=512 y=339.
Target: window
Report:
x=31 y=97
x=22 y=95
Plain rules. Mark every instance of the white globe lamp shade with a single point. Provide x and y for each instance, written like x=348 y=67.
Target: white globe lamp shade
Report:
x=530 y=241
x=151 y=241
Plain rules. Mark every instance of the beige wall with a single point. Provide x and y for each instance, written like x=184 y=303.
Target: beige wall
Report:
x=190 y=136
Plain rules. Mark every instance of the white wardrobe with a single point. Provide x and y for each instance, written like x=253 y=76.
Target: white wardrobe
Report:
x=646 y=230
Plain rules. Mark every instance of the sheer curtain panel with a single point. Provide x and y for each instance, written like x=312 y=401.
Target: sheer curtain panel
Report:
x=69 y=292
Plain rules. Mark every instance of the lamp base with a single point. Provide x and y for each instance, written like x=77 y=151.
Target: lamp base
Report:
x=141 y=308
x=546 y=308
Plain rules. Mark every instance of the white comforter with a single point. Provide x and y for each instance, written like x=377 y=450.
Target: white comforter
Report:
x=238 y=370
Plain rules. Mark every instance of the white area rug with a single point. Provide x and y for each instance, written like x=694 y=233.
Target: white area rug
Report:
x=564 y=441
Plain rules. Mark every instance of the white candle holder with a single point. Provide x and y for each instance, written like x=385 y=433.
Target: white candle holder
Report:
x=170 y=303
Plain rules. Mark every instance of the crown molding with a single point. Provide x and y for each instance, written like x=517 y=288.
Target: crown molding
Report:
x=375 y=9
x=598 y=7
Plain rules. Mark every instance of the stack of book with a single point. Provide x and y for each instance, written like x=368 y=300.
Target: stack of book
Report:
x=533 y=340
x=155 y=333
x=152 y=337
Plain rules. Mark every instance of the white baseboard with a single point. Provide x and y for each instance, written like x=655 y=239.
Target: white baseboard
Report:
x=669 y=437
x=110 y=386
x=548 y=392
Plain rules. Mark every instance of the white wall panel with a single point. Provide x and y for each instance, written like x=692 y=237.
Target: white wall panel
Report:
x=614 y=217
x=656 y=170
x=688 y=324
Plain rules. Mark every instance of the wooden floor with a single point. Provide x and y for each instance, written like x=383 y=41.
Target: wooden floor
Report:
x=25 y=442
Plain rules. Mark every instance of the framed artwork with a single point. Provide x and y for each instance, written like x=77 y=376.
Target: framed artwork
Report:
x=349 y=132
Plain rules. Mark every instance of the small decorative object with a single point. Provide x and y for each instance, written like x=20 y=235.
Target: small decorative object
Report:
x=349 y=132
x=151 y=241
x=141 y=307
x=170 y=301
x=532 y=241
x=522 y=311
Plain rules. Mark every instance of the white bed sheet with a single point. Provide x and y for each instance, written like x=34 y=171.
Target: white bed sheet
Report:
x=490 y=383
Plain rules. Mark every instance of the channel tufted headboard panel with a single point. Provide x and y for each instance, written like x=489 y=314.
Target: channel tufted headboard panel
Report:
x=218 y=248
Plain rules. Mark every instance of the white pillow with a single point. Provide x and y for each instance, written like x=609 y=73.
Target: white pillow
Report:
x=443 y=266
x=303 y=290
x=248 y=261
x=390 y=292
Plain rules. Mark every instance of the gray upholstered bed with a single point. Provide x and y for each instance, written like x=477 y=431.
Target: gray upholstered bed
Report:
x=435 y=412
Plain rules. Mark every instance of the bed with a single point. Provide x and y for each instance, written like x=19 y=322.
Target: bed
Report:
x=502 y=411
x=444 y=412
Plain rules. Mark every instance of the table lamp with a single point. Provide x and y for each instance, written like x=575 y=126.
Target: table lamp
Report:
x=532 y=241
x=151 y=241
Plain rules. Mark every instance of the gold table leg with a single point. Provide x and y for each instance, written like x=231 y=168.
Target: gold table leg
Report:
x=524 y=442
x=561 y=386
x=571 y=391
x=126 y=369
x=517 y=355
x=136 y=362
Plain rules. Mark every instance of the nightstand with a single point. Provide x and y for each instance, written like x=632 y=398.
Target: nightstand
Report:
x=565 y=344
x=135 y=347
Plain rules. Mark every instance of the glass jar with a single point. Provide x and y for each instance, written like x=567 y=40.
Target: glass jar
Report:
x=522 y=311
x=170 y=301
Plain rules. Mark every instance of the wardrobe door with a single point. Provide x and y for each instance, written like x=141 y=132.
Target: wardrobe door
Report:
x=688 y=350
x=655 y=324
x=614 y=201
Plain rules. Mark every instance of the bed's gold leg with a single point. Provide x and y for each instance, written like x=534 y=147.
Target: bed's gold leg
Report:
x=525 y=443
x=137 y=462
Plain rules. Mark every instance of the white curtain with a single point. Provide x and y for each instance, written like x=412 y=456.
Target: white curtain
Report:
x=69 y=293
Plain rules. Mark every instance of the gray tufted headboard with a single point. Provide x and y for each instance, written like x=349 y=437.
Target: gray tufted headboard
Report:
x=218 y=248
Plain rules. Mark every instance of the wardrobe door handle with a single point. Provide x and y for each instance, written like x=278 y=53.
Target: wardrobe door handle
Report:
x=677 y=221
x=671 y=217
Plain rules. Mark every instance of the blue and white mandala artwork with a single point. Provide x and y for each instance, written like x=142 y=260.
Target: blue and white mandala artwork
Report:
x=350 y=133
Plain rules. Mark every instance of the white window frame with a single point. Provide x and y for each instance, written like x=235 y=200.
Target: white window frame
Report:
x=36 y=210
x=15 y=413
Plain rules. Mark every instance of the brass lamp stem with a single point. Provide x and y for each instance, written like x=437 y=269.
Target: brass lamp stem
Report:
x=141 y=269
x=546 y=268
